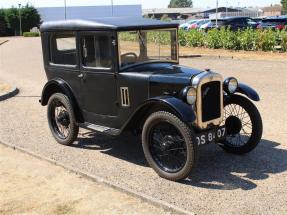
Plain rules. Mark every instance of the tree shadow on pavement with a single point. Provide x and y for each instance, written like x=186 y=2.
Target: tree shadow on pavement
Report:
x=216 y=169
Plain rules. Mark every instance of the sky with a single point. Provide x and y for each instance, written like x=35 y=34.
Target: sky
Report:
x=145 y=3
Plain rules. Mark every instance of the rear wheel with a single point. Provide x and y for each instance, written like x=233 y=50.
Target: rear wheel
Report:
x=61 y=119
x=243 y=125
x=169 y=146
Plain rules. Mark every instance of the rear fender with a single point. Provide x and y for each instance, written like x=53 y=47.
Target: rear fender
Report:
x=60 y=86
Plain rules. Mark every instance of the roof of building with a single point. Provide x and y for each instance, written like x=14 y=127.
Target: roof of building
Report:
x=172 y=10
x=109 y=23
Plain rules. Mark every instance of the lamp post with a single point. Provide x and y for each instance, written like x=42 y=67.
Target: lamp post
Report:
x=216 y=19
x=20 y=20
x=112 y=3
x=65 y=3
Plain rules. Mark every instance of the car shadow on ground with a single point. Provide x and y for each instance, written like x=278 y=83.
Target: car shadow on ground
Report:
x=216 y=169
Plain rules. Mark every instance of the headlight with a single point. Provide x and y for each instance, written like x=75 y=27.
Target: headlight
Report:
x=230 y=85
x=191 y=96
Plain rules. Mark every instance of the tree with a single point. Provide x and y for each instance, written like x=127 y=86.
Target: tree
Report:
x=29 y=15
x=3 y=24
x=180 y=3
x=284 y=4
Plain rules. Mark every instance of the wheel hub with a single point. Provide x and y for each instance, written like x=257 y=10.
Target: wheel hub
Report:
x=233 y=125
x=63 y=118
x=167 y=142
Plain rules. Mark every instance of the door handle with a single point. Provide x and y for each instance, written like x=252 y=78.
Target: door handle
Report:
x=81 y=75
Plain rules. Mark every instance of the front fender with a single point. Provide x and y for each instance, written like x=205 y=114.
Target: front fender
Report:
x=248 y=91
x=183 y=110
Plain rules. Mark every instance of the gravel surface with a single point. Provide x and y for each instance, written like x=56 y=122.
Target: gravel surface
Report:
x=223 y=183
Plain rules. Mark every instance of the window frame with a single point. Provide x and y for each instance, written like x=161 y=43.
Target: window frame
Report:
x=82 y=34
x=52 y=42
x=147 y=62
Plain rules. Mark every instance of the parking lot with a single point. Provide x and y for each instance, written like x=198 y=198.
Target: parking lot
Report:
x=223 y=183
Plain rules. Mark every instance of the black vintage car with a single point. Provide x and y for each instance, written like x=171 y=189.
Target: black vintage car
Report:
x=123 y=74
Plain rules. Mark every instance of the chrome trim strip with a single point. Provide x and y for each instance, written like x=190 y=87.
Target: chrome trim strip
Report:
x=197 y=83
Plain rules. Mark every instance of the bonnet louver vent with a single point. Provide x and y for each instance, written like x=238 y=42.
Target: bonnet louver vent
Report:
x=125 y=96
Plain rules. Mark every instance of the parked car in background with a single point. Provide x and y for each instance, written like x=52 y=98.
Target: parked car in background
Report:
x=185 y=26
x=198 y=24
x=234 y=23
x=273 y=23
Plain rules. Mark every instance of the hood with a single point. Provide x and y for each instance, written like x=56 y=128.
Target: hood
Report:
x=166 y=78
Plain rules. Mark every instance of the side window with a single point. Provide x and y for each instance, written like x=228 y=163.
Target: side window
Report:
x=97 y=50
x=63 y=49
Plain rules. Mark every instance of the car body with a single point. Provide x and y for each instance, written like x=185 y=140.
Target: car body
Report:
x=207 y=25
x=273 y=23
x=122 y=74
x=198 y=24
x=185 y=26
x=234 y=23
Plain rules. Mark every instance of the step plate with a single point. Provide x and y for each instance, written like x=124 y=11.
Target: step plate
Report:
x=98 y=127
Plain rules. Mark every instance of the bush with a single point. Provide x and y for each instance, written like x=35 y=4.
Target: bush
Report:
x=248 y=40
x=213 y=39
x=31 y=34
x=194 y=38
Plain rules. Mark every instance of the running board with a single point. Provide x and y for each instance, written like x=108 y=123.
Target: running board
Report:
x=102 y=129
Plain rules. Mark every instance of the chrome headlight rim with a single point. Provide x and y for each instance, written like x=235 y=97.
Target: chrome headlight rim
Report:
x=189 y=95
x=230 y=85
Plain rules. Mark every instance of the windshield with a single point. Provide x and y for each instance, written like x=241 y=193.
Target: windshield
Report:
x=143 y=46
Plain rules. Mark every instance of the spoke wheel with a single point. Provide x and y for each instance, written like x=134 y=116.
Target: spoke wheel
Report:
x=61 y=119
x=169 y=146
x=243 y=125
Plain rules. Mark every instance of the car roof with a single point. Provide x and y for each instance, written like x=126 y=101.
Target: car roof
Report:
x=109 y=23
x=276 y=18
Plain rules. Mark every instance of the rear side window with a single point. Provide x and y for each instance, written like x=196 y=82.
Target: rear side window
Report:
x=97 y=50
x=63 y=49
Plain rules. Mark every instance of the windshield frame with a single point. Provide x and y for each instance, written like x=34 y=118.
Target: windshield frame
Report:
x=149 y=61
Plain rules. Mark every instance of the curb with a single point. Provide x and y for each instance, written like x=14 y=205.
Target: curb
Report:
x=207 y=56
x=143 y=197
x=9 y=94
x=5 y=41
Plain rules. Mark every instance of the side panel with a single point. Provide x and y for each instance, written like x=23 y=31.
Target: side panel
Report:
x=138 y=91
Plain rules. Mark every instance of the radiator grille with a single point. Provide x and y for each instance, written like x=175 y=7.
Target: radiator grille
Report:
x=211 y=101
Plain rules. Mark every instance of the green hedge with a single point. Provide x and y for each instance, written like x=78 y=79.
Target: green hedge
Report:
x=248 y=40
x=31 y=34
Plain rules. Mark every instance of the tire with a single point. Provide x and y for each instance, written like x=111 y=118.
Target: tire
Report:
x=60 y=100
x=188 y=143
x=250 y=140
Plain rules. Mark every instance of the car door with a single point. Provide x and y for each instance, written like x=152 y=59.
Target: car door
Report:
x=98 y=78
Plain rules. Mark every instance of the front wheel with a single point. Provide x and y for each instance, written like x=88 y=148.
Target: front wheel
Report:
x=169 y=146
x=61 y=119
x=243 y=125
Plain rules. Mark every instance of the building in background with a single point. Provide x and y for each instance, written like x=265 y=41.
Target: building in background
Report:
x=275 y=10
x=172 y=13
x=88 y=12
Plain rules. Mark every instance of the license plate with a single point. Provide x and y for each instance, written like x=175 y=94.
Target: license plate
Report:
x=211 y=136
